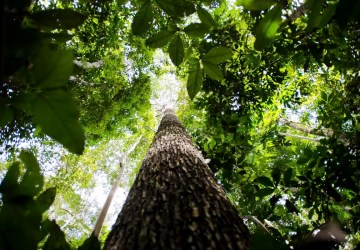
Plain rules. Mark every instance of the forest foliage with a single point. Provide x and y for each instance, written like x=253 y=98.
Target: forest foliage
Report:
x=270 y=95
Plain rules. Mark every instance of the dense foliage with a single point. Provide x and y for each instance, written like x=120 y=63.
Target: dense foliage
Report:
x=270 y=95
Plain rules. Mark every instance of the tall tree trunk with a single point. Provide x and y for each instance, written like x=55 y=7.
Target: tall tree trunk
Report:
x=175 y=201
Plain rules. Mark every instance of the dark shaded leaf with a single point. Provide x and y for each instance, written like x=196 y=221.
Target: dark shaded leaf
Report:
x=264 y=192
x=194 y=82
x=10 y=180
x=91 y=243
x=262 y=240
x=217 y=55
x=52 y=68
x=143 y=19
x=264 y=180
x=268 y=27
x=291 y=207
x=287 y=177
x=58 y=18
x=276 y=175
x=56 y=240
x=160 y=39
x=46 y=198
x=32 y=181
x=196 y=29
x=176 y=50
x=57 y=114
x=213 y=71
x=6 y=115
x=255 y=4
x=205 y=17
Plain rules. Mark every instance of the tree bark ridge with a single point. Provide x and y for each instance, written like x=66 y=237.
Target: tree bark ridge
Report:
x=175 y=201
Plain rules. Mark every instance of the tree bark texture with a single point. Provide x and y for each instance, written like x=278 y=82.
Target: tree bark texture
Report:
x=175 y=201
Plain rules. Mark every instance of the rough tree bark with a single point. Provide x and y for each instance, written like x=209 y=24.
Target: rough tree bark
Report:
x=175 y=201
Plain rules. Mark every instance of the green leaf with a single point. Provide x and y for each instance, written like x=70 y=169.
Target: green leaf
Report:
x=264 y=192
x=58 y=18
x=196 y=29
x=32 y=181
x=176 y=50
x=57 y=115
x=160 y=39
x=194 y=81
x=262 y=240
x=268 y=27
x=10 y=180
x=6 y=115
x=255 y=4
x=264 y=180
x=291 y=207
x=176 y=8
x=287 y=177
x=205 y=17
x=213 y=71
x=56 y=240
x=217 y=55
x=143 y=19
x=46 y=198
x=91 y=243
x=52 y=68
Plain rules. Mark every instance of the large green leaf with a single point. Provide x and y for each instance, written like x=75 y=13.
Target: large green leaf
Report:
x=32 y=181
x=194 y=81
x=176 y=50
x=46 y=198
x=268 y=27
x=255 y=4
x=265 y=181
x=10 y=180
x=143 y=19
x=52 y=68
x=205 y=17
x=176 y=8
x=57 y=115
x=217 y=55
x=197 y=29
x=56 y=240
x=6 y=115
x=58 y=18
x=213 y=71
x=160 y=39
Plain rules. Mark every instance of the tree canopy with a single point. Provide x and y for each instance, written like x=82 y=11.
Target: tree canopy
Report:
x=268 y=90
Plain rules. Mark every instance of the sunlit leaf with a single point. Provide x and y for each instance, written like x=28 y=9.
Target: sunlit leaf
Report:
x=160 y=39
x=268 y=26
x=213 y=71
x=143 y=19
x=57 y=114
x=217 y=55
x=194 y=82
x=176 y=50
